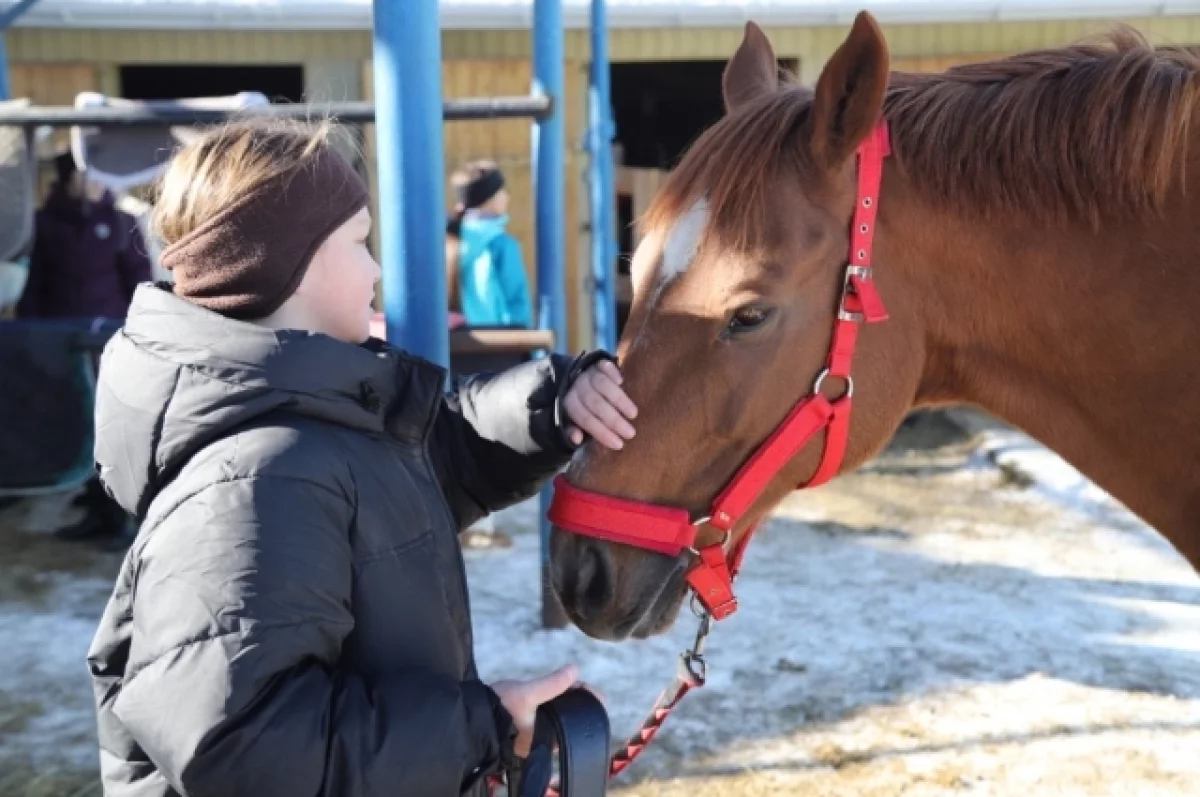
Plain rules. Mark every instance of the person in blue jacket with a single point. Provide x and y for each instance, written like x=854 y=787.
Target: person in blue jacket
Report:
x=485 y=267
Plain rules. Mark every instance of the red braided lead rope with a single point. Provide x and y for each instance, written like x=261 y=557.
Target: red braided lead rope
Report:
x=667 y=702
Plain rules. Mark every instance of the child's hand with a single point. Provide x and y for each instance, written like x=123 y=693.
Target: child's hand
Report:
x=598 y=406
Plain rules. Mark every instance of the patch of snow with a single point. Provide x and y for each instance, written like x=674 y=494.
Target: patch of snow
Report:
x=44 y=678
x=1020 y=454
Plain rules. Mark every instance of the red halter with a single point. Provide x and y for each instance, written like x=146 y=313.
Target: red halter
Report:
x=671 y=531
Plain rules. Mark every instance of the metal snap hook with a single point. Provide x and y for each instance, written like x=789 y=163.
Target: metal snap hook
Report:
x=691 y=662
x=702 y=633
x=693 y=670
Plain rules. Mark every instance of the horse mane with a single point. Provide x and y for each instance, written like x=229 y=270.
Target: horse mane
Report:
x=1086 y=132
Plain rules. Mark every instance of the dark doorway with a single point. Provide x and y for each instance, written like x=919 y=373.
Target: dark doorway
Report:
x=278 y=83
x=659 y=109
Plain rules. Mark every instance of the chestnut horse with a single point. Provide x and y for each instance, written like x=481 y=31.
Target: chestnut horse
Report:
x=1037 y=247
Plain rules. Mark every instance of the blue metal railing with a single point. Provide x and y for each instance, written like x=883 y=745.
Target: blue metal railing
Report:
x=411 y=174
x=549 y=146
x=408 y=109
x=600 y=137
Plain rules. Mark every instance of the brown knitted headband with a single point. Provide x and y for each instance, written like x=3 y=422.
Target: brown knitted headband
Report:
x=248 y=259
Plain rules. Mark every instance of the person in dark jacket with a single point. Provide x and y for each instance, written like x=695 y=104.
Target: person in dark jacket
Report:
x=87 y=257
x=293 y=616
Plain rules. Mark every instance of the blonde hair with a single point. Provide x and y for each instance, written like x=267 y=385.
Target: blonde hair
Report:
x=225 y=164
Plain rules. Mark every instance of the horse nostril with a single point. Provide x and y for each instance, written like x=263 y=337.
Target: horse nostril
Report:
x=589 y=563
x=593 y=589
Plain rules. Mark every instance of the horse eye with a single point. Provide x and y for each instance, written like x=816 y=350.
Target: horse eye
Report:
x=747 y=319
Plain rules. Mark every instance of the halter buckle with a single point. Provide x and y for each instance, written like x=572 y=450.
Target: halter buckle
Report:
x=863 y=273
x=858 y=282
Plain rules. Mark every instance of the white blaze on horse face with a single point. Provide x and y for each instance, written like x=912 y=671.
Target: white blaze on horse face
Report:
x=679 y=248
x=683 y=242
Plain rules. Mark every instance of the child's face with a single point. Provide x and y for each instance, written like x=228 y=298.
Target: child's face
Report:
x=339 y=286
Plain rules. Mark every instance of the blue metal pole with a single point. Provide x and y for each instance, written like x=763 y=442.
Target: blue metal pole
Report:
x=408 y=125
x=14 y=12
x=7 y=18
x=5 y=86
x=549 y=145
x=600 y=136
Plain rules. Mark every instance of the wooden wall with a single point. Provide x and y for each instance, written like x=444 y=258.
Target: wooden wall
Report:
x=52 y=84
x=940 y=63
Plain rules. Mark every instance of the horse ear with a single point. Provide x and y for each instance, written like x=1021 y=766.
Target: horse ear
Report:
x=752 y=71
x=849 y=95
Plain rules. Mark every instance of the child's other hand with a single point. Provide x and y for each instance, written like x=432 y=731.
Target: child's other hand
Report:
x=597 y=405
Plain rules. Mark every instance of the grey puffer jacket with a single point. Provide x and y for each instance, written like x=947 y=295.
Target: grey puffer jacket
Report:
x=293 y=616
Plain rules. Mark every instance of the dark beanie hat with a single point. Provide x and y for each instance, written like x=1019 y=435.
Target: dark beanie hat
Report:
x=480 y=188
x=248 y=259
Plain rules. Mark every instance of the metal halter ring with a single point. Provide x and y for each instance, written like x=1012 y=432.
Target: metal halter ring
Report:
x=725 y=535
x=821 y=377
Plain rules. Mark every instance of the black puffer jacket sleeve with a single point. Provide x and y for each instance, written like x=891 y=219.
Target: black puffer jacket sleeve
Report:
x=500 y=437
x=243 y=600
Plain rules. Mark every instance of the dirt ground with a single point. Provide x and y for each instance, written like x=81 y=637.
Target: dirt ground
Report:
x=932 y=625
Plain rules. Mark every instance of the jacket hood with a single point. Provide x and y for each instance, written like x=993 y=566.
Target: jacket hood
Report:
x=177 y=377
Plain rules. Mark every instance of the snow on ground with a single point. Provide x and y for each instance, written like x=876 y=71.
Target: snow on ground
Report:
x=51 y=596
x=928 y=626
x=1027 y=460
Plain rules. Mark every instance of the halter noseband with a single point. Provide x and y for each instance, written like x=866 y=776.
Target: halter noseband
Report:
x=671 y=531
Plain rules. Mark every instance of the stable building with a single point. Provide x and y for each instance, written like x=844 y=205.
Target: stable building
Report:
x=667 y=57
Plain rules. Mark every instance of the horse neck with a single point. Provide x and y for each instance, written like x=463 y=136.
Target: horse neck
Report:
x=1083 y=338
